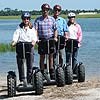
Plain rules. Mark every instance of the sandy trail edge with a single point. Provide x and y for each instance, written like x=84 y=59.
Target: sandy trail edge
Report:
x=89 y=90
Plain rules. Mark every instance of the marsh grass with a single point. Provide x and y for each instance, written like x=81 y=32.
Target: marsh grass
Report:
x=83 y=16
x=62 y=15
x=17 y=17
x=6 y=47
x=9 y=48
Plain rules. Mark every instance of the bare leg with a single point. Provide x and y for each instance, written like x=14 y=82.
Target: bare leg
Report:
x=51 y=61
x=42 y=57
x=51 y=68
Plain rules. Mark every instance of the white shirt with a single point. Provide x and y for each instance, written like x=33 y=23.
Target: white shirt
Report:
x=24 y=35
x=73 y=30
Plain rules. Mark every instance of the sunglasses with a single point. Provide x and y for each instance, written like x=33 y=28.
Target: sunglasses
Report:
x=28 y=18
x=45 y=9
x=71 y=17
x=57 y=10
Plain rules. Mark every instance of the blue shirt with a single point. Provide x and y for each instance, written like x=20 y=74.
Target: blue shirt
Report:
x=61 y=26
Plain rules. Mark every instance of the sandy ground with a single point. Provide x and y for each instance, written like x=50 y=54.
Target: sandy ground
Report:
x=88 y=90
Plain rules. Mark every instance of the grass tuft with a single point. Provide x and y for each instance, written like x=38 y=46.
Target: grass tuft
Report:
x=9 y=48
x=6 y=47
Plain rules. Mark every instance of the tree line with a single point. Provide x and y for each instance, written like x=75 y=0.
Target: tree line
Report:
x=16 y=12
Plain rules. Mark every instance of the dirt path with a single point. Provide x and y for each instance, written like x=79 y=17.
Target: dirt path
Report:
x=89 y=90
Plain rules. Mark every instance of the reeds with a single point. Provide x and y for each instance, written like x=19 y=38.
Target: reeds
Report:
x=8 y=48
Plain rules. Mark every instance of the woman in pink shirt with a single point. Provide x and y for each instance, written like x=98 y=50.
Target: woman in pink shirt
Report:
x=75 y=33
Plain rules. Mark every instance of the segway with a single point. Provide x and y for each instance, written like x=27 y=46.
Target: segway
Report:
x=77 y=71
x=60 y=76
x=36 y=79
x=47 y=47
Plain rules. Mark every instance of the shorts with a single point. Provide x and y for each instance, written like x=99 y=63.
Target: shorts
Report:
x=46 y=47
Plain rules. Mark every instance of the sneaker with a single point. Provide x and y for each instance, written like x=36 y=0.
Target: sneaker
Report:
x=23 y=83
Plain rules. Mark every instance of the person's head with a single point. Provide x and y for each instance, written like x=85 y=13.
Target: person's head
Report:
x=26 y=16
x=45 y=9
x=71 y=17
x=57 y=10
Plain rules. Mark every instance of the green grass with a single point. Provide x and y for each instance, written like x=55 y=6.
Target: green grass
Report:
x=9 y=17
x=6 y=48
x=84 y=16
x=9 y=48
x=16 y=17
x=89 y=16
x=63 y=15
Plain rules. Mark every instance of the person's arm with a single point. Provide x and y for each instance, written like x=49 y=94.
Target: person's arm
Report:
x=65 y=29
x=79 y=35
x=66 y=35
x=34 y=37
x=15 y=38
x=55 y=31
x=36 y=27
x=55 y=35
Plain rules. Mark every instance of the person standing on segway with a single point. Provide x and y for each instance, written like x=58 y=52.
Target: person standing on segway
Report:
x=62 y=31
x=75 y=33
x=46 y=29
x=25 y=33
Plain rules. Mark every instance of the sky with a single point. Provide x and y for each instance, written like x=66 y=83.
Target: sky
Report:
x=36 y=4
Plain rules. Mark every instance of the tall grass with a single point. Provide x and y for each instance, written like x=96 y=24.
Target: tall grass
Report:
x=62 y=15
x=17 y=17
x=83 y=16
x=9 y=48
x=6 y=48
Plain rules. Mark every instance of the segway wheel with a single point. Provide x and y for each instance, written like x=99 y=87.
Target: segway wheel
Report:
x=60 y=77
x=38 y=82
x=68 y=75
x=11 y=84
x=81 y=73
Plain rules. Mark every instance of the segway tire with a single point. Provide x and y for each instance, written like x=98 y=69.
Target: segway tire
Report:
x=38 y=82
x=81 y=73
x=68 y=75
x=11 y=85
x=60 y=77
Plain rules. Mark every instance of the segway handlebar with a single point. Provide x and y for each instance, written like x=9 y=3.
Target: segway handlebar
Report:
x=44 y=40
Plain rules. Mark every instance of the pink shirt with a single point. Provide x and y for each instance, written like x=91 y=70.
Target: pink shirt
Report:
x=75 y=32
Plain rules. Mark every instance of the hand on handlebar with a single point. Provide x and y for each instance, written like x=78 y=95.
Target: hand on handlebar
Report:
x=13 y=44
x=55 y=39
x=33 y=43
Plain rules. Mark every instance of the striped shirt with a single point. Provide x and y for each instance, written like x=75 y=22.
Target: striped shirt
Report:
x=45 y=27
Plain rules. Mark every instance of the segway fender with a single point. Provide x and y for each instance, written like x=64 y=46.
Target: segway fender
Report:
x=35 y=70
x=12 y=73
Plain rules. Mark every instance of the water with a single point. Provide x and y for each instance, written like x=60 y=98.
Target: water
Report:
x=7 y=28
x=89 y=53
